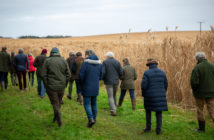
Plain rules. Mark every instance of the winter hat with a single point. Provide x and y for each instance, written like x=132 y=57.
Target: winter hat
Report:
x=151 y=61
x=55 y=51
x=44 y=51
x=4 y=48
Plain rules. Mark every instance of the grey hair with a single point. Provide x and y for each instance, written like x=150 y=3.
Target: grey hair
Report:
x=200 y=55
x=21 y=50
x=110 y=54
x=71 y=53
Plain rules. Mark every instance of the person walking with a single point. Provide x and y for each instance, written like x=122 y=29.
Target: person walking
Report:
x=112 y=70
x=38 y=63
x=89 y=76
x=128 y=78
x=21 y=64
x=202 y=83
x=55 y=74
x=70 y=61
x=154 y=86
x=75 y=69
x=13 y=74
x=5 y=64
x=32 y=69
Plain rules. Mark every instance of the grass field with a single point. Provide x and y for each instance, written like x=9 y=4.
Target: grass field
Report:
x=24 y=116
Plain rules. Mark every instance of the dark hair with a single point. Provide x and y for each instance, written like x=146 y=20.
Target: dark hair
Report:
x=4 y=48
x=78 y=54
x=126 y=61
x=89 y=52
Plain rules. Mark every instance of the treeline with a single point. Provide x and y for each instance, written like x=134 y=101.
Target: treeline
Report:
x=49 y=36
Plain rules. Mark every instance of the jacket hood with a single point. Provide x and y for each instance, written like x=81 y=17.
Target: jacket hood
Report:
x=93 y=59
x=30 y=57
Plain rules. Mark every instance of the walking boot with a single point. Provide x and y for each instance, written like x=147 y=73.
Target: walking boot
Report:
x=133 y=104
x=80 y=99
x=120 y=103
x=69 y=97
x=91 y=122
x=59 y=119
x=201 y=125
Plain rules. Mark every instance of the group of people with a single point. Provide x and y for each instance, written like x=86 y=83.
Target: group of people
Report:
x=54 y=73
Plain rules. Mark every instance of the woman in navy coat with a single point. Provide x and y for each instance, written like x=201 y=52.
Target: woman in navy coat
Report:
x=89 y=76
x=154 y=86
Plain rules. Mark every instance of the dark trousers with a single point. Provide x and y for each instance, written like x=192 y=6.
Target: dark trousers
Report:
x=90 y=105
x=78 y=88
x=55 y=99
x=3 y=78
x=158 y=120
x=123 y=93
x=22 y=74
x=31 y=77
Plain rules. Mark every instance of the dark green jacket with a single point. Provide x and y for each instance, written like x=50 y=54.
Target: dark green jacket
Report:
x=38 y=63
x=55 y=73
x=202 y=79
x=128 y=77
x=5 y=62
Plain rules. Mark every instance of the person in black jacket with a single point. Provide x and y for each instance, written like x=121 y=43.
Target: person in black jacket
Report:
x=154 y=86
x=112 y=71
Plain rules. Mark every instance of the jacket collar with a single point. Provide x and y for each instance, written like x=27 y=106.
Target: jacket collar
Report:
x=93 y=61
x=202 y=60
x=153 y=66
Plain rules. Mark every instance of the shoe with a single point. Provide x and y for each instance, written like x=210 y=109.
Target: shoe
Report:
x=113 y=113
x=133 y=104
x=201 y=125
x=146 y=130
x=55 y=118
x=120 y=103
x=158 y=132
x=69 y=97
x=91 y=122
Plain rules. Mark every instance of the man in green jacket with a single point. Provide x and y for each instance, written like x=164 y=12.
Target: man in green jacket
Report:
x=202 y=83
x=55 y=74
x=5 y=64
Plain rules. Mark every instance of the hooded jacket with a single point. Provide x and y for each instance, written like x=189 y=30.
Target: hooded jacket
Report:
x=5 y=62
x=31 y=61
x=38 y=63
x=89 y=76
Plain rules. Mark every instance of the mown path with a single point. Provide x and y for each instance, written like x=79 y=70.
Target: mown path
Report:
x=25 y=116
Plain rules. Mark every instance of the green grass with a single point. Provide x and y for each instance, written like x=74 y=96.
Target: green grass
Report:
x=25 y=116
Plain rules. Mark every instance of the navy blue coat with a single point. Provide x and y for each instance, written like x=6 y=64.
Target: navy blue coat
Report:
x=154 y=86
x=89 y=76
x=21 y=62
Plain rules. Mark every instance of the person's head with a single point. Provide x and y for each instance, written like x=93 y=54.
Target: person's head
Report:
x=21 y=50
x=12 y=53
x=151 y=61
x=44 y=51
x=200 y=56
x=30 y=54
x=71 y=53
x=55 y=51
x=4 y=49
x=78 y=54
x=88 y=53
x=125 y=61
x=110 y=55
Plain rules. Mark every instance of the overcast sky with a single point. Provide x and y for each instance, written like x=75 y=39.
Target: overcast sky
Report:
x=91 y=17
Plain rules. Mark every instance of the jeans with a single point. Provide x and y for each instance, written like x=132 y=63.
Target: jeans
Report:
x=41 y=87
x=22 y=74
x=90 y=105
x=158 y=120
x=112 y=97
x=3 y=76
x=31 y=77
x=123 y=93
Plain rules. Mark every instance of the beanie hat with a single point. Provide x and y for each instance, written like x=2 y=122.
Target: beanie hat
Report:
x=55 y=50
x=151 y=61
x=44 y=51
